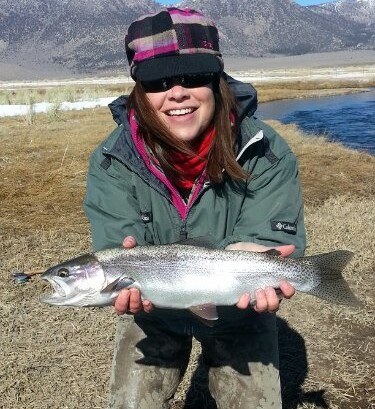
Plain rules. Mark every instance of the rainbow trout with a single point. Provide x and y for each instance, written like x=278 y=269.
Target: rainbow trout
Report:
x=197 y=278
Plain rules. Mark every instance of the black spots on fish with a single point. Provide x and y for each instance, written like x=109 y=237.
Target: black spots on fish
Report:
x=333 y=262
x=332 y=286
x=337 y=292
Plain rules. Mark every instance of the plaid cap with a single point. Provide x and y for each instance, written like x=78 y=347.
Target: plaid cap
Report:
x=172 y=42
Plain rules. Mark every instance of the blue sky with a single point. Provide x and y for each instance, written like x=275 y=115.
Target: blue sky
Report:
x=302 y=2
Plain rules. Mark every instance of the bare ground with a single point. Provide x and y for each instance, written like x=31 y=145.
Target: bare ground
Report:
x=303 y=61
x=60 y=358
x=14 y=70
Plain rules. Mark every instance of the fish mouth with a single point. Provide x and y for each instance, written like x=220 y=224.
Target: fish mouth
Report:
x=58 y=294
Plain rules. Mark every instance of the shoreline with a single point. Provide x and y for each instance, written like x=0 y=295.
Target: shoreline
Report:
x=12 y=110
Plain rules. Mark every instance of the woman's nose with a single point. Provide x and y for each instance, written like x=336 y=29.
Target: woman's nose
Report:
x=178 y=92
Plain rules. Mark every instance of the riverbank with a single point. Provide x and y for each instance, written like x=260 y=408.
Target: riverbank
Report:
x=56 y=357
x=62 y=96
x=275 y=78
x=347 y=119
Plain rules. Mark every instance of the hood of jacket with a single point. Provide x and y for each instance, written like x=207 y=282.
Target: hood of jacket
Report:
x=246 y=96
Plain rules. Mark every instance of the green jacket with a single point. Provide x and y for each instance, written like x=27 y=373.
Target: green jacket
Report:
x=124 y=198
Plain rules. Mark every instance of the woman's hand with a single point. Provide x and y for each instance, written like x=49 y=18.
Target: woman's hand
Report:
x=129 y=300
x=266 y=300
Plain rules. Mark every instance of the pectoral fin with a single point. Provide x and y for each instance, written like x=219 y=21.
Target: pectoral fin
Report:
x=206 y=313
x=120 y=283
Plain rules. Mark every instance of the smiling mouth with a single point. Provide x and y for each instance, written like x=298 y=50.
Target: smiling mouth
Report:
x=179 y=112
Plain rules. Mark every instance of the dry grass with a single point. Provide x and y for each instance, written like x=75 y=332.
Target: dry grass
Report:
x=59 y=93
x=60 y=358
x=329 y=170
x=268 y=92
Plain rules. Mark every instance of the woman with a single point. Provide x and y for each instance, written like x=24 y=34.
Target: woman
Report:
x=189 y=159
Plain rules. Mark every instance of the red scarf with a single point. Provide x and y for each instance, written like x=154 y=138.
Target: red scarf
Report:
x=190 y=167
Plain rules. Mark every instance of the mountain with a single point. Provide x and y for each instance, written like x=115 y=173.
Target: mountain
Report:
x=356 y=11
x=87 y=36
x=262 y=27
x=81 y=35
x=360 y=11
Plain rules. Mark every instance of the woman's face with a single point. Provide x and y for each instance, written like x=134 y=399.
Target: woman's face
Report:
x=187 y=112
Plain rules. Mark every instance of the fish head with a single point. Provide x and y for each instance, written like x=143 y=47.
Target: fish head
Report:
x=77 y=282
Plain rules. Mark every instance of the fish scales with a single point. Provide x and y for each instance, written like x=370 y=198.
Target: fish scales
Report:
x=185 y=276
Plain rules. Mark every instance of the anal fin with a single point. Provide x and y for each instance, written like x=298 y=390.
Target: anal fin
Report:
x=206 y=313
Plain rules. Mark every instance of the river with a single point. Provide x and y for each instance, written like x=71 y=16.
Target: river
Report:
x=349 y=119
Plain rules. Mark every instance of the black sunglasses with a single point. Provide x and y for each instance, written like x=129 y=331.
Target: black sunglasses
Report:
x=186 y=81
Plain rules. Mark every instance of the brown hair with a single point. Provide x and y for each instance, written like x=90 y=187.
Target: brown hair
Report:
x=162 y=142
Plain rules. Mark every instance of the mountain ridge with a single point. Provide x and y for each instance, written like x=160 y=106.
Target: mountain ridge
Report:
x=83 y=36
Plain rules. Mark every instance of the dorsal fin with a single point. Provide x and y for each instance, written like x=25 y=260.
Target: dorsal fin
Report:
x=273 y=252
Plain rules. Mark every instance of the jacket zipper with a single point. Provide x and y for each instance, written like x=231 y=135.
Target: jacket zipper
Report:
x=183 y=232
x=204 y=187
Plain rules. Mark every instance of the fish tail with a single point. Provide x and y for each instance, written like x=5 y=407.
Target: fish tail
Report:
x=332 y=286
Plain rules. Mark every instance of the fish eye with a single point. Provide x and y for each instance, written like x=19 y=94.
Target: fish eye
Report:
x=63 y=272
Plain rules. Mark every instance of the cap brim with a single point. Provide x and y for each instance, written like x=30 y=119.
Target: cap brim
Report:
x=169 y=66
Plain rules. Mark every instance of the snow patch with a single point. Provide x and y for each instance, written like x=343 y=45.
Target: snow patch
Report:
x=17 y=110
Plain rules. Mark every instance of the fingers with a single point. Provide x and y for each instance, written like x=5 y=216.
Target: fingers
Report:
x=130 y=301
x=129 y=242
x=244 y=301
x=285 y=250
x=244 y=246
x=147 y=306
x=267 y=300
x=287 y=289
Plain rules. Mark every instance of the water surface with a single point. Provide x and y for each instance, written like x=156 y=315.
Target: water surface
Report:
x=349 y=119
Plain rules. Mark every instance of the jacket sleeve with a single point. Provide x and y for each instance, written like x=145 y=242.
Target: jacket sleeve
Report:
x=272 y=210
x=110 y=205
